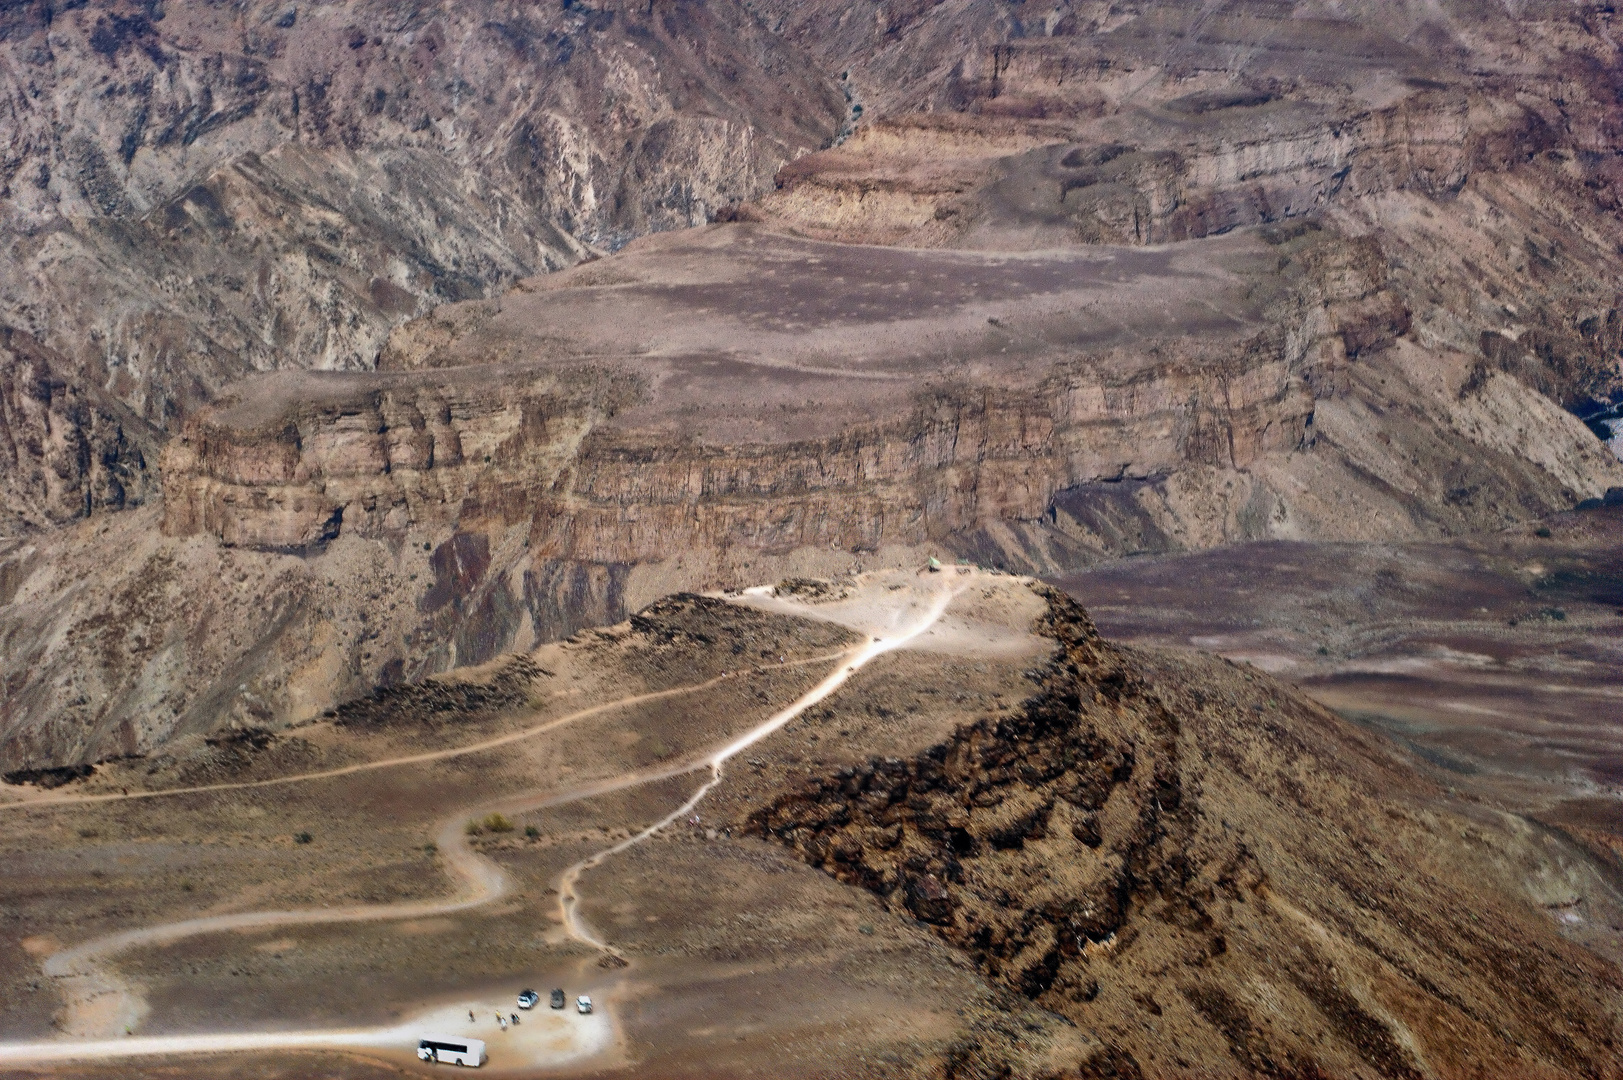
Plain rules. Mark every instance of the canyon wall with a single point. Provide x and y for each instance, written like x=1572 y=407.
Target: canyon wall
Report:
x=65 y=449
x=191 y=193
x=520 y=449
x=1073 y=283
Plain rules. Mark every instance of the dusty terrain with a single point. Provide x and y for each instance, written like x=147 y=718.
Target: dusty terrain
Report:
x=1005 y=817
x=356 y=360
x=1035 y=289
x=1496 y=659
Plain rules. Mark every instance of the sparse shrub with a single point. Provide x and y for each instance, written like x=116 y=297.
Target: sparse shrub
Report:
x=473 y=828
x=1542 y=532
x=302 y=838
x=430 y=849
x=497 y=823
x=185 y=886
x=532 y=833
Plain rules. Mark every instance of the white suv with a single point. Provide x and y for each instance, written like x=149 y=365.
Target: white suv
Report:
x=583 y=1003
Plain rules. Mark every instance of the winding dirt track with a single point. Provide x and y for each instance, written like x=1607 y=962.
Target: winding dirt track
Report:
x=100 y=1007
x=32 y=801
x=568 y=901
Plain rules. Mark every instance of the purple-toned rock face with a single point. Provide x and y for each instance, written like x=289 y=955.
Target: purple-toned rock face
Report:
x=1027 y=289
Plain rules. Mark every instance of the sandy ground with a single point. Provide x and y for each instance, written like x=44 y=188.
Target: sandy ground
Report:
x=1496 y=659
x=105 y=1007
x=543 y=1039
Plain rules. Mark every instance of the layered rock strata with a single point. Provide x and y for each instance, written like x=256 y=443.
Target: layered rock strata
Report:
x=731 y=396
x=1491 y=192
x=292 y=462
x=1179 y=276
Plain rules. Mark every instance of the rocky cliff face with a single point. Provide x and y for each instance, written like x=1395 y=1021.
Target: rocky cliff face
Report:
x=290 y=464
x=1208 y=874
x=1492 y=195
x=1089 y=281
x=728 y=457
x=65 y=449
x=730 y=436
x=191 y=193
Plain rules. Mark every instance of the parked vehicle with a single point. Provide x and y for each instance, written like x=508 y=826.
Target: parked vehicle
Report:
x=584 y=1004
x=451 y=1050
x=557 y=999
x=527 y=999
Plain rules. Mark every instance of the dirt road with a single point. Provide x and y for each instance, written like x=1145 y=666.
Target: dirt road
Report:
x=874 y=646
x=100 y=1007
x=30 y=799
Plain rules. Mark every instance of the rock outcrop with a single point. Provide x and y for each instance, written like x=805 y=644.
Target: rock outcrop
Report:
x=66 y=449
x=289 y=463
x=1211 y=875
x=1490 y=193
x=746 y=435
x=634 y=413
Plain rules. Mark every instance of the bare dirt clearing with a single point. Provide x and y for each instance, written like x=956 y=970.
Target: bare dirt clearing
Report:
x=982 y=842
x=181 y=1000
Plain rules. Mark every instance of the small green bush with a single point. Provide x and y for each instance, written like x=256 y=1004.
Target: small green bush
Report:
x=302 y=838
x=497 y=823
x=531 y=832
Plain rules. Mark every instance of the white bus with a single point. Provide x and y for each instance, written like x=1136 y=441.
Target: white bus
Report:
x=451 y=1050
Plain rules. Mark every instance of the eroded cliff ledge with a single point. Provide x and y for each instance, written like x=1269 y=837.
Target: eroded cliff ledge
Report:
x=66 y=448
x=710 y=400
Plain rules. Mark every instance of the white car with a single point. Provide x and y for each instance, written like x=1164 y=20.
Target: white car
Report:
x=583 y=1004
x=527 y=999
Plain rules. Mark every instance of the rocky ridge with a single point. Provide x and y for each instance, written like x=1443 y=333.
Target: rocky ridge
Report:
x=1208 y=873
